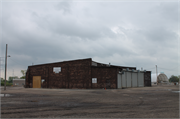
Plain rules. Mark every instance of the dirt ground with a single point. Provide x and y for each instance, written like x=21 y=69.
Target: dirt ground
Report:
x=142 y=102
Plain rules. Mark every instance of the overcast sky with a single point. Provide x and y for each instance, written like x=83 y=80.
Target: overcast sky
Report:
x=127 y=33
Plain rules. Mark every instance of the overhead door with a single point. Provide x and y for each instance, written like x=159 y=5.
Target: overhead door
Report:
x=36 y=81
x=123 y=80
x=140 y=79
x=119 y=80
x=128 y=74
x=134 y=79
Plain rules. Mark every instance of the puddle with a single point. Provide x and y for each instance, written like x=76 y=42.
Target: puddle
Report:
x=5 y=95
x=176 y=91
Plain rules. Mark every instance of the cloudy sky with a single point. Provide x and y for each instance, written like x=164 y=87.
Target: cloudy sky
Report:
x=128 y=33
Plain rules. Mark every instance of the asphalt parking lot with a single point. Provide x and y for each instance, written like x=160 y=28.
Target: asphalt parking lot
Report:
x=145 y=102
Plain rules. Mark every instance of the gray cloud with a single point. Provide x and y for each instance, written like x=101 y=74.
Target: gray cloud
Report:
x=140 y=34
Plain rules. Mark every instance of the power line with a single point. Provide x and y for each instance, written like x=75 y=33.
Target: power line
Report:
x=150 y=68
x=166 y=69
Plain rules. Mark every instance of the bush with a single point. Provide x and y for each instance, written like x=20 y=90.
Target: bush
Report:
x=173 y=79
x=7 y=84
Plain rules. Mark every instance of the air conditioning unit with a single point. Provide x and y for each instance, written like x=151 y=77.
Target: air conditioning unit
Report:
x=124 y=70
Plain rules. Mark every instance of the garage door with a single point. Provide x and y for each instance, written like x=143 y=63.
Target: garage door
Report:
x=140 y=79
x=123 y=80
x=134 y=79
x=128 y=74
x=36 y=81
x=119 y=80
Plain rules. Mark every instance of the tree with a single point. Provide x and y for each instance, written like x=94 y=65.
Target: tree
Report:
x=174 y=79
x=23 y=73
x=2 y=80
x=23 y=77
x=10 y=80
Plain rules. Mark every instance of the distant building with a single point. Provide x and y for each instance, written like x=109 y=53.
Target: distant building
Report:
x=161 y=78
x=85 y=73
x=18 y=82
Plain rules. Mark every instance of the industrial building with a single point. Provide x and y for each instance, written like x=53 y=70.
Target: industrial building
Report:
x=159 y=78
x=18 y=82
x=162 y=78
x=85 y=74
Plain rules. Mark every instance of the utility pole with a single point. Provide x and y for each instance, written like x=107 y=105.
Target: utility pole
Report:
x=156 y=75
x=0 y=66
x=5 y=67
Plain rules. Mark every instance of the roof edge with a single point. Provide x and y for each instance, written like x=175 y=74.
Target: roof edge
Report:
x=61 y=62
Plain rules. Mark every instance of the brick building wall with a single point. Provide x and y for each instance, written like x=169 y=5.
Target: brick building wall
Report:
x=74 y=74
x=147 y=78
x=106 y=77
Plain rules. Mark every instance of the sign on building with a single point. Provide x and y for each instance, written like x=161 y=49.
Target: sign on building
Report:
x=94 y=80
x=57 y=69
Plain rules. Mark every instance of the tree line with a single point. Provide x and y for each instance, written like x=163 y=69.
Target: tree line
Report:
x=174 y=78
x=9 y=82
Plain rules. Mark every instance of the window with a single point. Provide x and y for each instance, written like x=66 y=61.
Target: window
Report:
x=94 y=80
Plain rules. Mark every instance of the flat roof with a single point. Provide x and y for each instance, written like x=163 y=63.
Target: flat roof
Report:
x=60 y=62
x=82 y=59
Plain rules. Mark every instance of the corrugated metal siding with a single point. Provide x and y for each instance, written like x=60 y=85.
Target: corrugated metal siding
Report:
x=119 y=81
x=128 y=78
x=134 y=79
x=140 y=79
x=124 y=80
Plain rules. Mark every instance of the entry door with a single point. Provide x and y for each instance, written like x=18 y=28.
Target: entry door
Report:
x=36 y=81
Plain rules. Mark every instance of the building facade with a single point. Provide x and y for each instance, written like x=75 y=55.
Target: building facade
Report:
x=82 y=73
x=18 y=82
